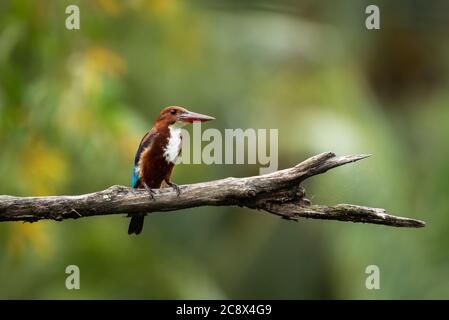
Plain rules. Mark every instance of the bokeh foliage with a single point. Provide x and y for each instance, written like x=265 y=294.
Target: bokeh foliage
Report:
x=74 y=105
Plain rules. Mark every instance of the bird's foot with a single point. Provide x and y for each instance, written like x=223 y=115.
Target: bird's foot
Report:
x=174 y=186
x=150 y=191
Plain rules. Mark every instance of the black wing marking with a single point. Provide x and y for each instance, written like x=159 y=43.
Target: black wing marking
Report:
x=145 y=143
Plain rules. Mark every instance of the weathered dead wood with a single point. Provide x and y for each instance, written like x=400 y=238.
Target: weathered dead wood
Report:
x=279 y=193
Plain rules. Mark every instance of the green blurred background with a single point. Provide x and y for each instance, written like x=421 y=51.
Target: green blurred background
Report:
x=74 y=105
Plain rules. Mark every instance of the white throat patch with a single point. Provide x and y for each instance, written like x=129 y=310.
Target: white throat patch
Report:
x=171 y=152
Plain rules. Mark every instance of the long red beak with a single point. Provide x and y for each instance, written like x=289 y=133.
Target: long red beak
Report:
x=193 y=116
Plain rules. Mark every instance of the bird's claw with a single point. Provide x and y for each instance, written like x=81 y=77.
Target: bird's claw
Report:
x=176 y=187
x=150 y=191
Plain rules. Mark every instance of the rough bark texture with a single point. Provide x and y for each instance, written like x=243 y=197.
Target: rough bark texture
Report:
x=278 y=193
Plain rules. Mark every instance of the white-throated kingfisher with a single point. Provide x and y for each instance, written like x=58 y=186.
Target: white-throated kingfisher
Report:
x=157 y=154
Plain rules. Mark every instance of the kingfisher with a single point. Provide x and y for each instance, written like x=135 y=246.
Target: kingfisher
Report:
x=157 y=154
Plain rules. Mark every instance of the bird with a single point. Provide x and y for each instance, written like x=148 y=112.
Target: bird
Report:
x=157 y=154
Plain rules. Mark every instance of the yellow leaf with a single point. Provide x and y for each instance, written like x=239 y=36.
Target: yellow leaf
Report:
x=111 y=7
x=34 y=233
x=43 y=170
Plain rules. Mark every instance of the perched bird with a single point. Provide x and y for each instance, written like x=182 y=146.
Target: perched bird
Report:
x=157 y=154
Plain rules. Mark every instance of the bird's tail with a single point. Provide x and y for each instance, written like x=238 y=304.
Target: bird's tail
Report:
x=136 y=224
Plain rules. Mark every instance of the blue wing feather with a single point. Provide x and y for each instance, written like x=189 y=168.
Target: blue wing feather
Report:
x=135 y=178
x=144 y=144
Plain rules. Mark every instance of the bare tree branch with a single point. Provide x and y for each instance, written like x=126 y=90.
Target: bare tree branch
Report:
x=278 y=193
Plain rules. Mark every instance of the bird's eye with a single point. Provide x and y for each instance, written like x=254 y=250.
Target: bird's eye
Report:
x=173 y=111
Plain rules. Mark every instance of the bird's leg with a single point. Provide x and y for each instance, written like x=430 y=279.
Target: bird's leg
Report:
x=174 y=186
x=149 y=190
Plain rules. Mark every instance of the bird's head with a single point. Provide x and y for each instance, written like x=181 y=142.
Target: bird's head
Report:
x=180 y=116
